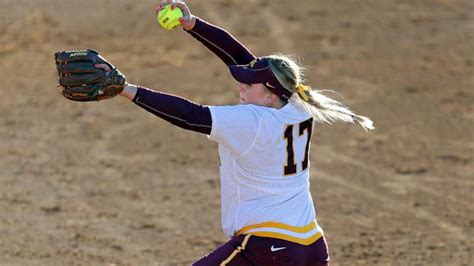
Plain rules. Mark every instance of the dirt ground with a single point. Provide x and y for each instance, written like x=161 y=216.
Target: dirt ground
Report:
x=108 y=183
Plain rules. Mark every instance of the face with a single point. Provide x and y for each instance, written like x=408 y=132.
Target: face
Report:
x=253 y=94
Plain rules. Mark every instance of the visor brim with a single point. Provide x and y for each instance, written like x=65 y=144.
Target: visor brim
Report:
x=244 y=74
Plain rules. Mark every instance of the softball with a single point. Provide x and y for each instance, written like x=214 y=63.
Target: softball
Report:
x=168 y=18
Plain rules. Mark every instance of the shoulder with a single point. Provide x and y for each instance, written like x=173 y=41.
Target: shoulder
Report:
x=237 y=126
x=241 y=107
x=238 y=118
x=248 y=111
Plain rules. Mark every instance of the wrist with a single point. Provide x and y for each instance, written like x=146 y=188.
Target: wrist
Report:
x=189 y=25
x=129 y=91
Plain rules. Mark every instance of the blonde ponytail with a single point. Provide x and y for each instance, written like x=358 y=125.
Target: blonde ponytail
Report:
x=326 y=110
x=322 y=108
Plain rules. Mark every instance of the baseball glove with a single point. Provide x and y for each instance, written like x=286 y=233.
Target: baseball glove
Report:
x=80 y=79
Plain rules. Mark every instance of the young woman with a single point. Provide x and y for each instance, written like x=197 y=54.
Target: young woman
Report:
x=264 y=143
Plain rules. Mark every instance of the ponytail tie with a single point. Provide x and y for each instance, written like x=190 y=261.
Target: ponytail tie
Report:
x=303 y=92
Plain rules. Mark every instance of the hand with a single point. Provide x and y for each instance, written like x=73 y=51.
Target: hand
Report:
x=129 y=91
x=187 y=21
x=107 y=70
x=104 y=67
x=84 y=76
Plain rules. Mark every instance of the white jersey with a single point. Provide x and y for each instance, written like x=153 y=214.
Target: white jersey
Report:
x=264 y=169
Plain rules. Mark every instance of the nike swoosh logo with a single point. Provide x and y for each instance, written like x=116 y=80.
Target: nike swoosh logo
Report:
x=273 y=249
x=268 y=85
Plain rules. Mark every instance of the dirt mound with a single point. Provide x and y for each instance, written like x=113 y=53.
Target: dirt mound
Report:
x=108 y=183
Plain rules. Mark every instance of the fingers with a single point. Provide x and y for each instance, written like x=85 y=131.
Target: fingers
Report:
x=187 y=21
x=158 y=7
x=161 y=4
x=184 y=8
x=173 y=4
x=104 y=67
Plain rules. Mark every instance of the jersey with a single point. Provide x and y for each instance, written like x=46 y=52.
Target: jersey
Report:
x=264 y=171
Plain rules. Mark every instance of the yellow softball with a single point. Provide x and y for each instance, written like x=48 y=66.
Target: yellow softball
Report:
x=168 y=18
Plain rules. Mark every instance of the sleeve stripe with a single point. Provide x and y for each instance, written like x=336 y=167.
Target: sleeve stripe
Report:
x=168 y=115
x=213 y=44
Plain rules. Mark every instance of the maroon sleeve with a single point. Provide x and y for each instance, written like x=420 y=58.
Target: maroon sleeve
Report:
x=176 y=110
x=221 y=43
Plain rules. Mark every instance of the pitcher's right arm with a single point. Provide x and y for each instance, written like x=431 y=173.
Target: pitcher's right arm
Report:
x=216 y=39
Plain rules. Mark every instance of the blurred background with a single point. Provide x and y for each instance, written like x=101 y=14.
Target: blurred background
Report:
x=109 y=183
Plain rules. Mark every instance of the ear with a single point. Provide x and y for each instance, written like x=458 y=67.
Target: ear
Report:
x=272 y=100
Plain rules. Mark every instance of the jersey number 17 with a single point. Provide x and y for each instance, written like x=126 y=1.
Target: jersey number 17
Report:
x=291 y=167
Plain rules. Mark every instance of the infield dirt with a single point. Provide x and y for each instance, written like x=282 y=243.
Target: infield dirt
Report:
x=108 y=183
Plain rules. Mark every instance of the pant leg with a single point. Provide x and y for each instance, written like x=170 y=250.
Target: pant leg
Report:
x=321 y=256
x=230 y=254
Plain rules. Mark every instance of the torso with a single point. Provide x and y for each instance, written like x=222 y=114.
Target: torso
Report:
x=266 y=178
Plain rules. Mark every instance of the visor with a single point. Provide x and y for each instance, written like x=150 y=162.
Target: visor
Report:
x=259 y=71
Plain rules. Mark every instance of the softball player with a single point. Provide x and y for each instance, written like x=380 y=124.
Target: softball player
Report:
x=264 y=144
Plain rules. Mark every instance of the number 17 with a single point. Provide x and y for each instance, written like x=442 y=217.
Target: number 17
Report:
x=291 y=167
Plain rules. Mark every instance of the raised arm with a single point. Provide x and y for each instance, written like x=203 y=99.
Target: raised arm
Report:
x=221 y=43
x=216 y=39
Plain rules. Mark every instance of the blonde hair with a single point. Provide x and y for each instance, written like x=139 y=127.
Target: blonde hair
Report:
x=322 y=108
